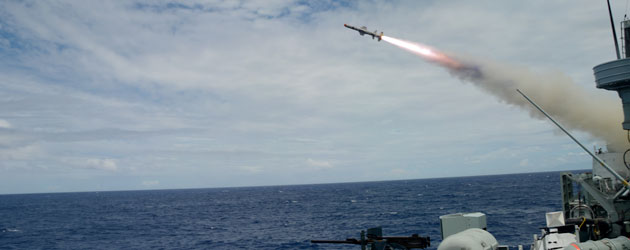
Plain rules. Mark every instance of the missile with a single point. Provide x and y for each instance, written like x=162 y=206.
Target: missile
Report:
x=363 y=30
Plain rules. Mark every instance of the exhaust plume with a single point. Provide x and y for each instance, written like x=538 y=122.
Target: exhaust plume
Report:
x=555 y=92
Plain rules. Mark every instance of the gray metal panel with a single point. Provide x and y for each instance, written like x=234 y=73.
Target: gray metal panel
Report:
x=613 y=75
x=455 y=223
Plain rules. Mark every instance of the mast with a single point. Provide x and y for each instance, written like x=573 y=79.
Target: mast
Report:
x=612 y=25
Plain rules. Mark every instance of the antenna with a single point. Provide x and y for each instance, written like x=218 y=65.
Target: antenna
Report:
x=612 y=24
x=613 y=172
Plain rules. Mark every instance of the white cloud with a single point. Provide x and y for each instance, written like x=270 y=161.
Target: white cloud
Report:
x=19 y=153
x=398 y=171
x=252 y=169
x=150 y=183
x=524 y=163
x=101 y=164
x=5 y=124
x=319 y=164
x=275 y=83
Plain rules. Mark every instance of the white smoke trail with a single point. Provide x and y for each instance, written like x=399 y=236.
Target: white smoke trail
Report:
x=569 y=103
x=555 y=92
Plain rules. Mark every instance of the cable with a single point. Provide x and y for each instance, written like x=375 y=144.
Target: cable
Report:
x=625 y=163
x=582 y=224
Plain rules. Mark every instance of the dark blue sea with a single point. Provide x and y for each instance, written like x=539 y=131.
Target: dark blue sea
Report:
x=277 y=217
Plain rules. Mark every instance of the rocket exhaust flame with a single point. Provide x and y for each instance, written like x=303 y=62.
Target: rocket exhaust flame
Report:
x=599 y=116
x=422 y=50
x=435 y=56
x=413 y=47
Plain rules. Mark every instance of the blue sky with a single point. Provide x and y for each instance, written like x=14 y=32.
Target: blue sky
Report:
x=104 y=95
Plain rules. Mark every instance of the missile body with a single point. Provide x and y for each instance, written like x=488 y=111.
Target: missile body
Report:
x=363 y=30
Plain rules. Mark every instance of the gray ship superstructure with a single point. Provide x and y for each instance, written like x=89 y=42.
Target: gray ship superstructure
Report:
x=595 y=205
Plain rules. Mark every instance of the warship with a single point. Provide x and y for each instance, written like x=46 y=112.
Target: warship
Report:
x=595 y=205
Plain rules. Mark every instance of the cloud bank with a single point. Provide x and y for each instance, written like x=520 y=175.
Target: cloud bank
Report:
x=101 y=95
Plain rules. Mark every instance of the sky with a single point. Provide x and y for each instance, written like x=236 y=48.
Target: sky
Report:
x=130 y=95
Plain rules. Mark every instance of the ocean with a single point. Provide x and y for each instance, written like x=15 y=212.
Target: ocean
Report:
x=275 y=217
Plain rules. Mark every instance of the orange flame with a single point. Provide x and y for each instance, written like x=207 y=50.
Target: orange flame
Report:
x=423 y=51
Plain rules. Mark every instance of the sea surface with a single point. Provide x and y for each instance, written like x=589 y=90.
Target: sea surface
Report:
x=276 y=217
